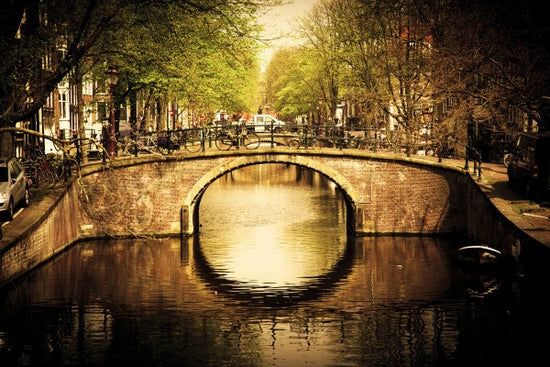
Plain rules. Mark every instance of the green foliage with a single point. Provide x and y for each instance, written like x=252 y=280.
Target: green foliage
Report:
x=185 y=49
x=205 y=57
x=291 y=82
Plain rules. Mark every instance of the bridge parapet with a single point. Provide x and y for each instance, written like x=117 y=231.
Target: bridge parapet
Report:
x=385 y=194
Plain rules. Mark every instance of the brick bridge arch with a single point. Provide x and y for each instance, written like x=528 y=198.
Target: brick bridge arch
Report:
x=385 y=194
x=190 y=218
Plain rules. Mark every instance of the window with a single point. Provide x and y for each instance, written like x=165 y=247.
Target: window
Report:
x=3 y=174
x=15 y=170
x=63 y=105
x=101 y=111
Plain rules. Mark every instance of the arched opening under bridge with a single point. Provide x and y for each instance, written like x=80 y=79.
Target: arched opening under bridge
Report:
x=190 y=206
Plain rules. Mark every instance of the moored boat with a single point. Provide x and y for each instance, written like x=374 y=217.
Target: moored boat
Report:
x=479 y=255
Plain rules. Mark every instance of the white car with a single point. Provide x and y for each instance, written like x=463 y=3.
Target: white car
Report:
x=263 y=123
x=14 y=187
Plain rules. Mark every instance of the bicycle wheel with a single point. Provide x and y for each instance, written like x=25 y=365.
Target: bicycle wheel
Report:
x=61 y=171
x=314 y=143
x=251 y=141
x=131 y=148
x=193 y=143
x=507 y=159
x=163 y=145
x=46 y=177
x=147 y=144
x=294 y=144
x=223 y=141
x=166 y=145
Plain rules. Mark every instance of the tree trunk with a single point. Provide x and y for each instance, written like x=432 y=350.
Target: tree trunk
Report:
x=81 y=122
x=133 y=112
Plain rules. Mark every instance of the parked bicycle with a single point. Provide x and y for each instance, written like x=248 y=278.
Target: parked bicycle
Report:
x=190 y=139
x=141 y=144
x=166 y=144
x=39 y=170
x=236 y=136
x=349 y=141
x=305 y=141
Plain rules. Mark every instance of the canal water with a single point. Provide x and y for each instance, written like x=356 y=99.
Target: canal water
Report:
x=272 y=280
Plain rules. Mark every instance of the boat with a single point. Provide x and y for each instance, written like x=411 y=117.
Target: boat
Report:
x=479 y=255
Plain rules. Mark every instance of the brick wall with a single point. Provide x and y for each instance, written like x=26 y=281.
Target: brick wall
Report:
x=58 y=228
x=405 y=197
x=392 y=197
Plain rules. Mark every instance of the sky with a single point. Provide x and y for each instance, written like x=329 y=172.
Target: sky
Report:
x=282 y=21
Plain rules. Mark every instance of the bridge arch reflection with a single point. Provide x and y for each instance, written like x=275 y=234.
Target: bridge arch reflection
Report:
x=190 y=207
x=280 y=296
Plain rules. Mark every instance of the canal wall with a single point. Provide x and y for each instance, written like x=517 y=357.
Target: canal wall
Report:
x=56 y=227
x=161 y=197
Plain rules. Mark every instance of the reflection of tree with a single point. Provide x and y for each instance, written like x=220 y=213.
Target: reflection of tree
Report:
x=392 y=302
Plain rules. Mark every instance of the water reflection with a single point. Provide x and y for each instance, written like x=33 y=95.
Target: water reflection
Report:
x=274 y=292
x=395 y=301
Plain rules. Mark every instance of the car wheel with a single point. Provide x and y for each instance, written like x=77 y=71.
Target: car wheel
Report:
x=11 y=211
x=27 y=198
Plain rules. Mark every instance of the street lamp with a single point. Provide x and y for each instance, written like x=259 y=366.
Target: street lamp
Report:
x=112 y=79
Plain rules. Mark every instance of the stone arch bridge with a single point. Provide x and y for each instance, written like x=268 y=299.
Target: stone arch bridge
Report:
x=385 y=194
x=160 y=196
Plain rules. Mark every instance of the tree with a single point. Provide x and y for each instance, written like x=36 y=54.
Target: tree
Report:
x=498 y=63
x=288 y=82
x=319 y=29
x=195 y=56
x=484 y=60
x=43 y=41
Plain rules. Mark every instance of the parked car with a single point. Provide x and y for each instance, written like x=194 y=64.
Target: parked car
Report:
x=14 y=187
x=264 y=123
x=529 y=167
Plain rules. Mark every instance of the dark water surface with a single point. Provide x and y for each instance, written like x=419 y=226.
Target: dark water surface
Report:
x=272 y=280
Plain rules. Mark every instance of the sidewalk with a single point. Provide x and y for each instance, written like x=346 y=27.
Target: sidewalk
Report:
x=528 y=216
x=25 y=218
x=532 y=218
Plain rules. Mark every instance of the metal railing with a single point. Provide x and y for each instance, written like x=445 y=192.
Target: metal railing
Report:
x=293 y=136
